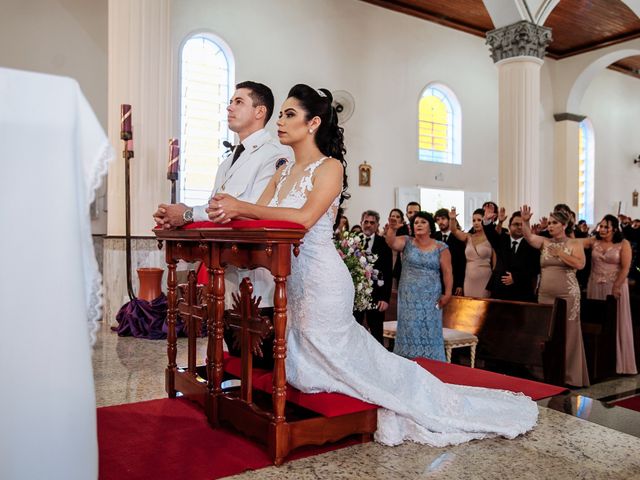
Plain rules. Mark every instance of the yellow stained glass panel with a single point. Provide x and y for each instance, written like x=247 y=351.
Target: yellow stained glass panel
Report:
x=433 y=128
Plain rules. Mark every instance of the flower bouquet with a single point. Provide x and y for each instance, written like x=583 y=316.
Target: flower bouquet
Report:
x=350 y=247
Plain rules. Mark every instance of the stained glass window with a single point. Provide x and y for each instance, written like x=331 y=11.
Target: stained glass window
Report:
x=206 y=87
x=585 y=171
x=439 y=126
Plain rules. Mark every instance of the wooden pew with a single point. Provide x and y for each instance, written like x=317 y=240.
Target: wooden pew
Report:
x=598 y=320
x=524 y=334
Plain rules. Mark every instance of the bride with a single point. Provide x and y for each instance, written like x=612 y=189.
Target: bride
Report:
x=327 y=350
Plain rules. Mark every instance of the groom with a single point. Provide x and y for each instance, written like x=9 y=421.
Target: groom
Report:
x=247 y=171
x=376 y=244
x=244 y=174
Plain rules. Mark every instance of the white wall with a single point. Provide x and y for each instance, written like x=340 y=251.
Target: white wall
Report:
x=60 y=37
x=384 y=59
x=612 y=102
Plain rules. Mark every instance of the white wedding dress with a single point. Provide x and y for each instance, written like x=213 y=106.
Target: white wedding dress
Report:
x=328 y=351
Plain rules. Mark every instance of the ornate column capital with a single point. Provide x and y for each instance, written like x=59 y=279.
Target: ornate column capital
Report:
x=522 y=39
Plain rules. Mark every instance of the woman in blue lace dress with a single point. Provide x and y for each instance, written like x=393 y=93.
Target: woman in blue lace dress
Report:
x=420 y=296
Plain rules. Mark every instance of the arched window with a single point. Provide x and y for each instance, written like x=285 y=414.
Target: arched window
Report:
x=439 y=125
x=207 y=83
x=585 y=170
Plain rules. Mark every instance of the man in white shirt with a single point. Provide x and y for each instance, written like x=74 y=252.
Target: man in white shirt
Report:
x=244 y=174
x=247 y=170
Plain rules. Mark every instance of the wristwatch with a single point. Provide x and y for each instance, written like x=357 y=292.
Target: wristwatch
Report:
x=187 y=216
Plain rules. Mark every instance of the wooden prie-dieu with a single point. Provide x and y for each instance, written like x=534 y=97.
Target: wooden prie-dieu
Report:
x=271 y=414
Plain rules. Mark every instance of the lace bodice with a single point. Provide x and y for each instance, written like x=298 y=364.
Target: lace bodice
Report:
x=322 y=231
x=547 y=260
x=605 y=262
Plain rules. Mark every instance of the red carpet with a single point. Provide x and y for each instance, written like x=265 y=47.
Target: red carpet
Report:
x=475 y=377
x=632 y=403
x=171 y=439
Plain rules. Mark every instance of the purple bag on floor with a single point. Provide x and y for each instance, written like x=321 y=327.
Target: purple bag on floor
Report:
x=142 y=319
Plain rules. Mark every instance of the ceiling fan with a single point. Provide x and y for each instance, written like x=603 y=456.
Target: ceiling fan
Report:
x=344 y=104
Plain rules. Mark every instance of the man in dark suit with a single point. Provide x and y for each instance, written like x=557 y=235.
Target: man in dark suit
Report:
x=376 y=244
x=412 y=209
x=517 y=266
x=456 y=247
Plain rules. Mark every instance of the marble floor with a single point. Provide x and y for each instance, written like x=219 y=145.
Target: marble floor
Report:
x=561 y=446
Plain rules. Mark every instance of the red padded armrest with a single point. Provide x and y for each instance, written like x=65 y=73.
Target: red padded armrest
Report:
x=240 y=224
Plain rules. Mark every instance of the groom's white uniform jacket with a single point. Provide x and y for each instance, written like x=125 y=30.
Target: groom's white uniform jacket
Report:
x=246 y=179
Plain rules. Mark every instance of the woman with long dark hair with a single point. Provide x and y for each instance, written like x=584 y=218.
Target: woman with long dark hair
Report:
x=327 y=350
x=610 y=263
x=396 y=221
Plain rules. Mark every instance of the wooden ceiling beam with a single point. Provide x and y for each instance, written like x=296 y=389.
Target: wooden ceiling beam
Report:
x=411 y=8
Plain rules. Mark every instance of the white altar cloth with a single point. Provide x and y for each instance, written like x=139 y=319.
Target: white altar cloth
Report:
x=54 y=155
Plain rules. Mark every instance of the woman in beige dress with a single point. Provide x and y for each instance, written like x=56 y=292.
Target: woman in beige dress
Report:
x=479 y=254
x=610 y=263
x=560 y=257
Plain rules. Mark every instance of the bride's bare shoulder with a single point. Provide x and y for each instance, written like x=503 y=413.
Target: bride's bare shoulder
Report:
x=332 y=165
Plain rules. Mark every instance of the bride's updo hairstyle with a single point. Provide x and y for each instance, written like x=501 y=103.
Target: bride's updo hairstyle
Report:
x=329 y=136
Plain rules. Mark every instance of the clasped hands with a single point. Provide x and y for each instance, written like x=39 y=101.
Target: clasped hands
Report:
x=223 y=208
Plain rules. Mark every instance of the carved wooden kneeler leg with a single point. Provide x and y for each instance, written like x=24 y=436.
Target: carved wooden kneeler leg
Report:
x=279 y=429
x=172 y=315
x=214 y=343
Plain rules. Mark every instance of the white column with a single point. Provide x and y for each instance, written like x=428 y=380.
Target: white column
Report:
x=519 y=132
x=140 y=59
x=518 y=51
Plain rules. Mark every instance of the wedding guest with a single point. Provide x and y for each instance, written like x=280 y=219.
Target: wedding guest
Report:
x=491 y=212
x=581 y=230
x=456 y=248
x=478 y=253
x=341 y=225
x=356 y=229
x=611 y=260
x=560 y=257
x=420 y=296
x=396 y=220
x=412 y=208
x=517 y=265
x=375 y=244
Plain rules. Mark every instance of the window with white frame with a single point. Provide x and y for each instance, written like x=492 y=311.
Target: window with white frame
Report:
x=207 y=83
x=585 y=171
x=439 y=125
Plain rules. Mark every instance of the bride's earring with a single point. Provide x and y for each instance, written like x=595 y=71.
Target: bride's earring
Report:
x=311 y=130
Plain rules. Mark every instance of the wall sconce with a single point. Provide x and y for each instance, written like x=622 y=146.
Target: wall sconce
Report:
x=636 y=160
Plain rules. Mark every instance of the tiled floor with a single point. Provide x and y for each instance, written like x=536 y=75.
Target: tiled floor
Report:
x=561 y=446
